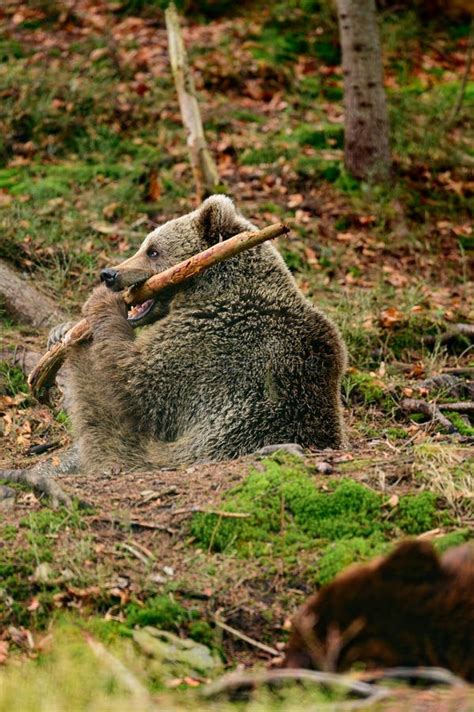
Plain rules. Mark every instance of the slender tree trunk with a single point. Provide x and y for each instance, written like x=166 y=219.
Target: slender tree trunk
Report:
x=205 y=172
x=367 y=149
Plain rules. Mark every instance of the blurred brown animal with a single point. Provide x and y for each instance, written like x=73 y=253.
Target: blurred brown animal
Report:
x=410 y=608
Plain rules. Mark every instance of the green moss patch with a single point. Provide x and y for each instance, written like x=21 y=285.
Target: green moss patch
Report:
x=12 y=380
x=364 y=389
x=282 y=510
x=340 y=554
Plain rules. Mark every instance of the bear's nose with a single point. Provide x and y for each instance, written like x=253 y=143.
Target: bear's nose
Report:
x=109 y=276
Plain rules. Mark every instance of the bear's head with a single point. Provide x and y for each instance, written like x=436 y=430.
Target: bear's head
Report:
x=177 y=240
x=393 y=611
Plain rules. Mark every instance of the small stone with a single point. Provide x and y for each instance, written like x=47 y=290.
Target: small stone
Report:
x=7 y=498
x=42 y=572
x=325 y=468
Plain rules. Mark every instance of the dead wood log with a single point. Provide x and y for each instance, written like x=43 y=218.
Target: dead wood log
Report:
x=24 y=302
x=412 y=405
x=205 y=172
x=43 y=375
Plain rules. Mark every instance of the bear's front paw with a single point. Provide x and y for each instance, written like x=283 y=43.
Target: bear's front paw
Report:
x=58 y=333
x=102 y=302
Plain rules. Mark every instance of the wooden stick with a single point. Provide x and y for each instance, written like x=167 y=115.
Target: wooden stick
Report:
x=205 y=172
x=246 y=638
x=43 y=376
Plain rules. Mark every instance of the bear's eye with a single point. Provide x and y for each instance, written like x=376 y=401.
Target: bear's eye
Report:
x=152 y=253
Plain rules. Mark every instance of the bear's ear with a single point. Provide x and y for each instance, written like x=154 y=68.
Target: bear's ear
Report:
x=217 y=219
x=412 y=561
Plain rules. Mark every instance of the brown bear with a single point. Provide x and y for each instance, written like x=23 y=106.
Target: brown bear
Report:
x=229 y=362
x=410 y=608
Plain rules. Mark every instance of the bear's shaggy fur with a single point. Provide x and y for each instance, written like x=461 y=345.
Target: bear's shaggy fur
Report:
x=410 y=608
x=232 y=360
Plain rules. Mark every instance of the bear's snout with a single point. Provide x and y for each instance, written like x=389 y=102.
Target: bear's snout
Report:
x=109 y=277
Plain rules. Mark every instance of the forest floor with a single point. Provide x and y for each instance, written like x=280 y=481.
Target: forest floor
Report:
x=92 y=157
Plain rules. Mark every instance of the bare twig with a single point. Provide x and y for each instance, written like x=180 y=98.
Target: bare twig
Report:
x=251 y=641
x=236 y=680
x=217 y=512
x=205 y=172
x=134 y=523
x=412 y=405
x=43 y=375
x=137 y=554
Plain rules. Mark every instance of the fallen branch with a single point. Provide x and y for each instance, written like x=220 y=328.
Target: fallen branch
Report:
x=217 y=512
x=461 y=407
x=235 y=680
x=460 y=371
x=412 y=405
x=454 y=331
x=133 y=524
x=42 y=378
x=205 y=172
x=251 y=641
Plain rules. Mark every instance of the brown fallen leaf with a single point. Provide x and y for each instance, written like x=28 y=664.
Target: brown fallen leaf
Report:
x=154 y=187
x=390 y=317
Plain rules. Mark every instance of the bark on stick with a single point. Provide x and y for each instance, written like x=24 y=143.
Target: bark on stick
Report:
x=205 y=172
x=366 y=141
x=43 y=376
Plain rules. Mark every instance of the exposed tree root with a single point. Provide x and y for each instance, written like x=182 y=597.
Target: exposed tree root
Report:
x=435 y=675
x=42 y=484
x=41 y=477
x=23 y=302
x=241 y=680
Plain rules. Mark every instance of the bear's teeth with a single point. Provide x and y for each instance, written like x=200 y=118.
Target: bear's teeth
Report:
x=138 y=309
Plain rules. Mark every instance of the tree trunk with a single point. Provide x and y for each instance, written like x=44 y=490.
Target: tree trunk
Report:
x=367 y=149
x=206 y=177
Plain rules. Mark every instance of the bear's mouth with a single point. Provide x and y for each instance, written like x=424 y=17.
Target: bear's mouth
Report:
x=138 y=312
